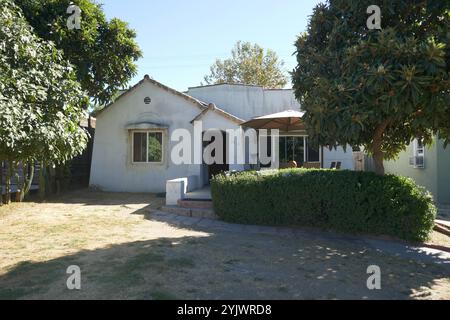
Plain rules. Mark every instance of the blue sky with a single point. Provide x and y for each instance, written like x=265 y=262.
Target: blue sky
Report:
x=180 y=40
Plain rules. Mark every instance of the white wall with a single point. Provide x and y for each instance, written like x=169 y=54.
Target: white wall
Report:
x=112 y=167
x=246 y=102
x=334 y=155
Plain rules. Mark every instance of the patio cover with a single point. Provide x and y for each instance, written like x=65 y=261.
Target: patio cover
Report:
x=289 y=120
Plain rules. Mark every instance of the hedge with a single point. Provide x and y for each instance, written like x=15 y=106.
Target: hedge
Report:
x=339 y=200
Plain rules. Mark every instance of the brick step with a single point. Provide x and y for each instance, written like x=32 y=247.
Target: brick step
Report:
x=442 y=228
x=195 y=204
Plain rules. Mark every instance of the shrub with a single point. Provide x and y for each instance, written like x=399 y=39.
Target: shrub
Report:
x=344 y=201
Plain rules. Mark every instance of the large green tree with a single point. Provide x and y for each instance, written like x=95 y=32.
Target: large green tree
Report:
x=376 y=88
x=249 y=64
x=103 y=52
x=40 y=99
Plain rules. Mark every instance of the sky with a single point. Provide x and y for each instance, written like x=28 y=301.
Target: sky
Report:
x=180 y=40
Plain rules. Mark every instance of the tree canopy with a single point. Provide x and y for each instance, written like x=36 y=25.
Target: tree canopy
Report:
x=40 y=98
x=376 y=88
x=249 y=64
x=103 y=52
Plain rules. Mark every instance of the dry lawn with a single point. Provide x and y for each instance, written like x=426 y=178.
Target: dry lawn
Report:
x=126 y=253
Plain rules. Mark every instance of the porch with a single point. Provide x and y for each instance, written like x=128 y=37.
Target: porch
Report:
x=203 y=193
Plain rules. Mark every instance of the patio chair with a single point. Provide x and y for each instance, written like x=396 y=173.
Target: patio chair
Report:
x=338 y=165
x=333 y=165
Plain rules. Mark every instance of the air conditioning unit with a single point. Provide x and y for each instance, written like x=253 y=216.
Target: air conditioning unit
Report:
x=417 y=162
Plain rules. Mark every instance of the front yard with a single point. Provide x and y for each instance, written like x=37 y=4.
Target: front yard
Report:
x=126 y=251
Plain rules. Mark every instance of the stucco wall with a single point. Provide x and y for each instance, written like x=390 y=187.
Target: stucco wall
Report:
x=443 y=164
x=246 y=102
x=426 y=177
x=112 y=167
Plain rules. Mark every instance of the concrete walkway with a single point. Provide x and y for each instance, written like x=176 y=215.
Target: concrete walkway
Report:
x=391 y=247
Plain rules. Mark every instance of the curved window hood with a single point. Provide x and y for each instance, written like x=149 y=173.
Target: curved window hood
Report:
x=146 y=125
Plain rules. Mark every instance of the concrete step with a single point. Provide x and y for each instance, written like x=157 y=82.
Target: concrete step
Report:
x=190 y=212
x=195 y=203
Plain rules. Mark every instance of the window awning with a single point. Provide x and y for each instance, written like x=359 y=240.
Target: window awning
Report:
x=145 y=125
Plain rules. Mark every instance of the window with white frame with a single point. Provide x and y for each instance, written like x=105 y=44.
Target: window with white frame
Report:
x=419 y=148
x=418 y=158
x=147 y=146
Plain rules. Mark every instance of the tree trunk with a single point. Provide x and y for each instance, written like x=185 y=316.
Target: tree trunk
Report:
x=28 y=180
x=378 y=154
x=378 y=161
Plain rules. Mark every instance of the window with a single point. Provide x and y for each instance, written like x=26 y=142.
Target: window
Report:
x=292 y=148
x=147 y=147
x=418 y=158
x=313 y=151
x=419 y=147
x=295 y=148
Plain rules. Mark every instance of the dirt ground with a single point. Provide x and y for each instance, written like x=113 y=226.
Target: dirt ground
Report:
x=124 y=252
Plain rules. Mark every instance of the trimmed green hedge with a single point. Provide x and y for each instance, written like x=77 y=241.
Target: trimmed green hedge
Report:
x=347 y=201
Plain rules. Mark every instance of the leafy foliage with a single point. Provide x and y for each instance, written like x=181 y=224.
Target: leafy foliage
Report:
x=250 y=64
x=40 y=98
x=345 y=201
x=98 y=41
x=378 y=89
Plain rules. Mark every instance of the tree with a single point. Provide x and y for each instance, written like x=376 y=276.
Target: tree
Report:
x=103 y=52
x=40 y=99
x=375 y=88
x=249 y=64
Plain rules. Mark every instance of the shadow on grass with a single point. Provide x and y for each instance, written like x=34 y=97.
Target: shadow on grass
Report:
x=218 y=267
x=222 y=265
x=88 y=197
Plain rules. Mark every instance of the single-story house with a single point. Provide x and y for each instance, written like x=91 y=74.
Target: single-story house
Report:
x=133 y=140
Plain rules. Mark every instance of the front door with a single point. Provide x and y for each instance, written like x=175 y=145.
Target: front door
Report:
x=216 y=168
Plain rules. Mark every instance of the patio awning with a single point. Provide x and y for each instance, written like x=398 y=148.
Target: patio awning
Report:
x=289 y=120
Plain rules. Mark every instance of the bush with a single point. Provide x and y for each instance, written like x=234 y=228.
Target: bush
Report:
x=344 y=201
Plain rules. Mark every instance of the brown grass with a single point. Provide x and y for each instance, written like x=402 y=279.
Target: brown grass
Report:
x=126 y=253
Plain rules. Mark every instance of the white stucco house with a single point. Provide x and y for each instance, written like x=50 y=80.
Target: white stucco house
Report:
x=133 y=145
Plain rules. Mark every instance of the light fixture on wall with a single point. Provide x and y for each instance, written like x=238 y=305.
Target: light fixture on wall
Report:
x=147 y=100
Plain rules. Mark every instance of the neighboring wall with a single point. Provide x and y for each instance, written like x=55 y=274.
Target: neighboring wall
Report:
x=338 y=154
x=426 y=177
x=246 y=102
x=443 y=178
